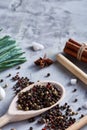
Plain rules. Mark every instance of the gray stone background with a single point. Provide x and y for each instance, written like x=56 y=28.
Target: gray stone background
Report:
x=51 y=23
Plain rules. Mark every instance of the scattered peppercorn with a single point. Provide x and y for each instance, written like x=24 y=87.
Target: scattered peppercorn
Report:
x=74 y=90
x=22 y=82
x=13 y=129
x=31 y=128
x=38 y=97
x=75 y=100
x=5 y=86
x=18 y=67
x=9 y=75
x=79 y=109
x=31 y=120
x=48 y=74
x=43 y=62
x=56 y=118
x=1 y=80
x=43 y=128
x=81 y=116
x=17 y=72
x=16 y=77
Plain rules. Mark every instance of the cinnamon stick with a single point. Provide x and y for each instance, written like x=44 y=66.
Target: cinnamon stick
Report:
x=75 y=47
x=72 y=47
x=68 y=51
x=75 y=42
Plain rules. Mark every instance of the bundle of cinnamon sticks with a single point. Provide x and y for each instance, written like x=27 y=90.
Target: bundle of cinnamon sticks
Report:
x=76 y=50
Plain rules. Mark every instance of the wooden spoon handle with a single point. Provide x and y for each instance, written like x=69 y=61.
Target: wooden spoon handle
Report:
x=79 y=124
x=72 y=68
x=4 y=120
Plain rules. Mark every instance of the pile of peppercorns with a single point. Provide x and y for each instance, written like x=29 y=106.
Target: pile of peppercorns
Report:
x=22 y=82
x=38 y=97
x=57 y=118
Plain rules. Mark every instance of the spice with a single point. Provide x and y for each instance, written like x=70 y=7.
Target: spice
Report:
x=18 y=67
x=31 y=120
x=75 y=100
x=38 y=97
x=22 y=82
x=79 y=108
x=16 y=77
x=1 y=80
x=48 y=74
x=9 y=75
x=44 y=129
x=74 y=90
x=43 y=62
x=76 y=50
x=56 y=118
x=31 y=128
x=81 y=116
x=5 y=86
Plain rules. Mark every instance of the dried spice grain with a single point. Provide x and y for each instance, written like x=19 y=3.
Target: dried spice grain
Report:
x=22 y=82
x=38 y=97
x=74 y=90
x=56 y=118
x=81 y=116
x=16 y=77
x=31 y=120
x=75 y=100
x=8 y=75
x=13 y=129
x=43 y=62
x=18 y=67
x=48 y=74
x=1 y=80
x=31 y=128
x=79 y=109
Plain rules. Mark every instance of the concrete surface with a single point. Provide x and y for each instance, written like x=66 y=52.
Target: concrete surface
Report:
x=51 y=23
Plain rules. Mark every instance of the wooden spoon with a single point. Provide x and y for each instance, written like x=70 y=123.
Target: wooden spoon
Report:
x=79 y=124
x=13 y=114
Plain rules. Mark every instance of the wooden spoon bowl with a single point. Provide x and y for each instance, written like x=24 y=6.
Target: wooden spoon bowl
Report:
x=13 y=114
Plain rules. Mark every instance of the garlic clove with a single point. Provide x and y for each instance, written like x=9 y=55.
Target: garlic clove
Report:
x=2 y=93
x=37 y=46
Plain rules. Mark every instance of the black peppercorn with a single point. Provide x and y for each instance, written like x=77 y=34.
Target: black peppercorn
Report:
x=9 y=75
x=79 y=109
x=22 y=82
x=74 y=90
x=31 y=128
x=38 y=97
x=1 y=80
x=48 y=74
x=13 y=129
x=81 y=116
x=56 y=118
x=75 y=100
x=18 y=67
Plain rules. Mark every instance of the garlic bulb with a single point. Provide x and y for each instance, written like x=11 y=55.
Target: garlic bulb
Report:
x=2 y=93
